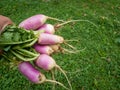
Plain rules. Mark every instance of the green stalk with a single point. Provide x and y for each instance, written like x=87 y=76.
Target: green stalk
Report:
x=25 y=55
x=28 y=52
x=13 y=43
x=6 y=57
x=21 y=57
x=30 y=44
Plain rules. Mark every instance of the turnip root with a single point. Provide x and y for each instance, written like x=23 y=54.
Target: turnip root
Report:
x=48 y=39
x=30 y=72
x=55 y=47
x=35 y=21
x=42 y=49
x=47 y=28
x=48 y=63
x=58 y=48
x=34 y=75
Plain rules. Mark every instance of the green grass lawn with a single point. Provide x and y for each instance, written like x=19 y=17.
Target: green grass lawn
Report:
x=98 y=62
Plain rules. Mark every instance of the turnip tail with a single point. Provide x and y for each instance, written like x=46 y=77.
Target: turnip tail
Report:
x=56 y=19
x=68 y=51
x=43 y=79
x=72 y=40
x=74 y=49
x=65 y=42
x=78 y=70
x=70 y=46
x=58 y=67
x=52 y=81
x=53 y=78
x=59 y=25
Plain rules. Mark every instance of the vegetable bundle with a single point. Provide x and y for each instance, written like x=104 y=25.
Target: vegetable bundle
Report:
x=32 y=43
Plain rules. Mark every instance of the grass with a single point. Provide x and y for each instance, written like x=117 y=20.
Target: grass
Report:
x=98 y=64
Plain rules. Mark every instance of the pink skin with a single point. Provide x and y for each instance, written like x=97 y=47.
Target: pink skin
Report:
x=34 y=75
x=48 y=28
x=29 y=71
x=33 y=22
x=45 y=38
x=43 y=49
x=45 y=62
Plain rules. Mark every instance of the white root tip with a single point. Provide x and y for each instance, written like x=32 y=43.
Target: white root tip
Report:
x=57 y=66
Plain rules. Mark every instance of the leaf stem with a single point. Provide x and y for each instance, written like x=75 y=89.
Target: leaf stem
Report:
x=21 y=57
x=28 y=52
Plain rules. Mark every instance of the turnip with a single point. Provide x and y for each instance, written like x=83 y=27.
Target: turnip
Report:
x=35 y=21
x=48 y=28
x=55 y=47
x=45 y=38
x=34 y=75
x=47 y=63
x=43 y=49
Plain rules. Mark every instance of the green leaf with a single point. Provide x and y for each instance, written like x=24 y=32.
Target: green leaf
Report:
x=6 y=37
x=14 y=35
x=16 y=43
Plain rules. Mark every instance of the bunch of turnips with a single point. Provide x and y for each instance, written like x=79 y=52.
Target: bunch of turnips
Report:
x=32 y=43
